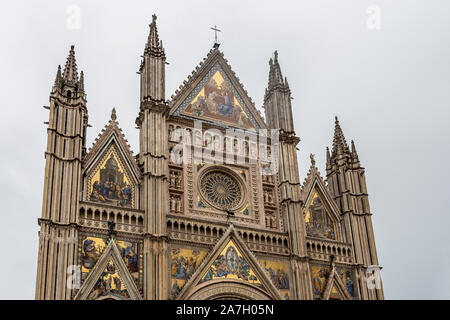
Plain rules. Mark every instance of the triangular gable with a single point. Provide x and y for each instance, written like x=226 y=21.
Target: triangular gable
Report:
x=231 y=264
x=111 y=149
x=214 y=94
x=109 y=278
x=314 y=193
x=335 y=288
x=112 y=133
x=230 y=260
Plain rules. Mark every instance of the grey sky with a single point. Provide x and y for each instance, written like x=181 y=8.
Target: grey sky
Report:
x=389 y=87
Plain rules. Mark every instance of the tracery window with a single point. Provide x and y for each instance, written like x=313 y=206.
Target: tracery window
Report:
x=221 y=190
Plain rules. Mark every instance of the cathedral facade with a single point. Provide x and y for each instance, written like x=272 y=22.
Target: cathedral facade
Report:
x=212 y=206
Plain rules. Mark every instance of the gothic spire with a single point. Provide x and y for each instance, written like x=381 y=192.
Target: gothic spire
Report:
x=340 y=146
x=70 y=73
x=277 y=99
x=275 y=75
x=154 y=45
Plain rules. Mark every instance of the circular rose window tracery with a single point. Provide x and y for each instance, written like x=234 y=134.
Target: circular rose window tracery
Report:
x=221 y=190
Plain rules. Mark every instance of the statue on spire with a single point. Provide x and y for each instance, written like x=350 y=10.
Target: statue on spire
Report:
x=113 y=114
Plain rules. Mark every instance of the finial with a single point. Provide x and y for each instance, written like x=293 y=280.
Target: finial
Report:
x=336 y=120
x=81 y=82
x=276 y=55
x=354 y=152
x=154 y=18
x=58 y=76
x=113 y=114
x=328 y=157
x=313 y=161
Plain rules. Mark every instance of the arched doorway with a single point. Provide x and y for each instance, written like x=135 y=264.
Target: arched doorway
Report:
x=227 y=290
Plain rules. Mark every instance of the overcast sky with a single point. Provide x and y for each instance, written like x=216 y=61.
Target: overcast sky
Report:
x=388 y=86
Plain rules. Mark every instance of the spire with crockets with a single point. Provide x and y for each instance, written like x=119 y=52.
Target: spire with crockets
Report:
x=277 y=99
x=152 y=68
x=340 y=149
x=67 y=82
x=70 y=73
x=275 y=75
x=154 y=45
x=340 y=146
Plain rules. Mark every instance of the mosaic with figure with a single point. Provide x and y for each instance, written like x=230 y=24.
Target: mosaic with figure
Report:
x=92 y=248
x=320 y=275
x=278 y=273
x=183 y=264
x=317 y=220
x=230 y=264
x=109 y=284
x=217 y=101
x=347 y=278
x=110 y=184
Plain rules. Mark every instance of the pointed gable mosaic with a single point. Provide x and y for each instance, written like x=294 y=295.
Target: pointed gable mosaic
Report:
x=110 y=168
x=317 y=220
x=215 y=99
x=231 y=264
x=110 y=183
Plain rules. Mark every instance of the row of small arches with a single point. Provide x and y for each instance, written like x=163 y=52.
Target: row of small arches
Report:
x=328 y=249
x=214 y=232
x=117 y=217
x=210 y=139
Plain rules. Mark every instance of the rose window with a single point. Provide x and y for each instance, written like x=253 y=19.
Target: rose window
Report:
x=221 y=189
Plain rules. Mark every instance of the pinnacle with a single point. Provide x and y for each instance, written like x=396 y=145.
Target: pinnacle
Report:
x=81 y=83
x=339 y=143
x=70 y=73
x=153 y=44
x=275 y=75
x=58 y=76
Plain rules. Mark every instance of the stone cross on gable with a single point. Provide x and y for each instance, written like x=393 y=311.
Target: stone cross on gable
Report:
x=215 y=33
